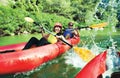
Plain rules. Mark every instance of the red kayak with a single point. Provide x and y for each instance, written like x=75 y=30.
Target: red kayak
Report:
x=94 y=68
x=25 y=60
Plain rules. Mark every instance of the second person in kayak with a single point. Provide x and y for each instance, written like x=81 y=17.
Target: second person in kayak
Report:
x=46 y=38
x=70 y=32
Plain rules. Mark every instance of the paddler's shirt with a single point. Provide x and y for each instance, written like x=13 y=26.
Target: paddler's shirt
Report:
x=68 y=32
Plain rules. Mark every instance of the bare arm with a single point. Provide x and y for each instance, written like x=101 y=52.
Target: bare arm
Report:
x=62 y=37
x=44 y=34
x=76 y=33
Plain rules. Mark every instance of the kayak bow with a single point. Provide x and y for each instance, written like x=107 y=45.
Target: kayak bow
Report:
x=94 y=68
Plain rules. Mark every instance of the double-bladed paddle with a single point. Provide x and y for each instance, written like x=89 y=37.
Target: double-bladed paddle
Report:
x=84 y=53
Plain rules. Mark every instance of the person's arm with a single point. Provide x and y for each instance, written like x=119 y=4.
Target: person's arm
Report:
x=61 y=37
x=44 y=34
x=76 y=33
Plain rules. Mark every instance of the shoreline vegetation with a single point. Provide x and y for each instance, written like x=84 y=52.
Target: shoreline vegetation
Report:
x=82 y=13
x=99 y=34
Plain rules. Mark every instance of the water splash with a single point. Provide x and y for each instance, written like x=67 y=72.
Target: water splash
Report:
x=72 y=58
x=112 y=56
x=113 y=29
x=113 y=59
x=112 y=62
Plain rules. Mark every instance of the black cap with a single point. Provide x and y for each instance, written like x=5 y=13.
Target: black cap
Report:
x=70 y=24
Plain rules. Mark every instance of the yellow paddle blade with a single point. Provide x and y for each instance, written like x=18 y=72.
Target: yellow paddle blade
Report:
x=100 y=25
x=85 y=54
x=28 y=19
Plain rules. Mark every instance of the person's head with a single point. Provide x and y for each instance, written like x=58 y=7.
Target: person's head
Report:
x=70 y=25
x=57 y=27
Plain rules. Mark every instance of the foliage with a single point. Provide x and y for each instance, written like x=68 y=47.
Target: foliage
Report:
x=48 y=12
x=108 y=12
x=10 y=19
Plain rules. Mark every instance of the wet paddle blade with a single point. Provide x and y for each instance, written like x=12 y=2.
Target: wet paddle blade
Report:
x=85 y=54
x=100 y=25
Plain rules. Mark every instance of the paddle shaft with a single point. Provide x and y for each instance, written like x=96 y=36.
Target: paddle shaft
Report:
x=100 y=25
x=66 y=42
x=81 y=28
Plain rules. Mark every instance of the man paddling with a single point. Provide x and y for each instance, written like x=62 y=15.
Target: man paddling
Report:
x=70 y=32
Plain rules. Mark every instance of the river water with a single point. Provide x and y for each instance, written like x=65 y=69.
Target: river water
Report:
x=68 y=64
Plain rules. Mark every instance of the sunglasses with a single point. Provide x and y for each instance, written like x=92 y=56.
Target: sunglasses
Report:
x=70 y=25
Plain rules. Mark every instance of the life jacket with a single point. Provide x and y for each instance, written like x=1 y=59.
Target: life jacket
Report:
x=52 y=39
x=68 y=32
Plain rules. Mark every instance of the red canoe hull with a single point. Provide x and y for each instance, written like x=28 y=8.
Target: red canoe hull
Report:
x=21 y=61
x=94 y=68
